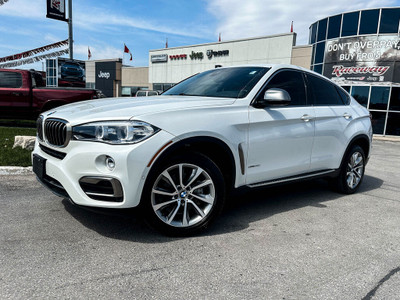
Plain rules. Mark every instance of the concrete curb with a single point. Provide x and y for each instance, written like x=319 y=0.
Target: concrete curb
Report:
x=386 y=138
x=16 y=171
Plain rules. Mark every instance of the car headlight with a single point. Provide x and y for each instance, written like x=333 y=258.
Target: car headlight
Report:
x=114 y=132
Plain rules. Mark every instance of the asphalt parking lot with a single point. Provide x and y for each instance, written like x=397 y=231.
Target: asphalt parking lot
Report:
x=300 y=241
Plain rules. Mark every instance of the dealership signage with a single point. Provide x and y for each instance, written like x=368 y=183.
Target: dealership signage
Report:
x=178 y=56
x=106 y=74
x=362 y=59
x=159 y=58
x=211 y=53
x=56 y=10
x=102 y=74
x=193 y=56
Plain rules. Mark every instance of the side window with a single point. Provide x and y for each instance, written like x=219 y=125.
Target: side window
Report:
x=10 y=80
x=292 y=82
x=141 y=94
x=345 y=98
x=324 y=92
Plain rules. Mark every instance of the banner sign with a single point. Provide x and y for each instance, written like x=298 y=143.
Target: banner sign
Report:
x=34 y=51
x=33 y=59
x=71 y=72
x=56 y=10
x=159 y=58
x=362 y=59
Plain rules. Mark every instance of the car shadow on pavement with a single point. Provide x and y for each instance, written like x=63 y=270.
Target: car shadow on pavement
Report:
x=240 y=210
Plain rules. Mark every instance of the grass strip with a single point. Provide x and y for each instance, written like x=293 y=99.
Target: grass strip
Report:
x=18 y=156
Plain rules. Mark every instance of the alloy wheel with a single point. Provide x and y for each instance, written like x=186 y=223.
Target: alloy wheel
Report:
x=183 y=195
x=355 y=170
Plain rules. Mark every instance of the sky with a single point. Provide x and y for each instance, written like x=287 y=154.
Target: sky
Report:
x=143 y=25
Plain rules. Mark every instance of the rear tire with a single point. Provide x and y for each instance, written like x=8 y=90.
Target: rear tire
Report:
x=183 y=195
x=352 y=171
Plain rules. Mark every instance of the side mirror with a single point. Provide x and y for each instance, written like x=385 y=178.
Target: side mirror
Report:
x=274 y=96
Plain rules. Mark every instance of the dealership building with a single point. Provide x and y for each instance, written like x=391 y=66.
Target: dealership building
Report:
x=359 y=50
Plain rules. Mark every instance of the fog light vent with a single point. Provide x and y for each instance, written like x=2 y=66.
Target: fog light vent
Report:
x=102 y=188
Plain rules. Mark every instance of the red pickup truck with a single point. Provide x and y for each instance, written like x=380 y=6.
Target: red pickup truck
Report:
x=23 y=94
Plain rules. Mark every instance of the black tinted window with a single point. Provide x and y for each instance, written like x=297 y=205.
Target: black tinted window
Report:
x=319 y=53
x=313 y=33
x=324 y=92
x=369 y=21
x=292 y=82
x=343 y=95
x=10 y=79
x=395 y=99
x=334 y=26
x=389 y=20
x=350 y=24
x=322 y=29
x=379 y=97
x=360 y=93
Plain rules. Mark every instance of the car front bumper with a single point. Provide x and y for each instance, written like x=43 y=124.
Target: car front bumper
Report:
x=83 y=177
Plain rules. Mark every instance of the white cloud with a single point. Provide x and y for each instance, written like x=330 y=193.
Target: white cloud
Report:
x=31 y=9
x=98 y=19
x=97 y=51
x=241 y=19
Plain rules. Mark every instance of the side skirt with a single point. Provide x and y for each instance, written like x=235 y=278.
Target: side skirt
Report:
x=300 y=177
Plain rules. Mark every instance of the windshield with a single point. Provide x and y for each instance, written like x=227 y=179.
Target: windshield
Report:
x=234 y=82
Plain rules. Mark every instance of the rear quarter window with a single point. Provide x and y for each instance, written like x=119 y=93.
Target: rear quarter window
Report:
x=323 y=92
x=10 y=79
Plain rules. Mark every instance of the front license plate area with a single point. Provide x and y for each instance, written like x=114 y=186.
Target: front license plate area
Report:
x=39 y=166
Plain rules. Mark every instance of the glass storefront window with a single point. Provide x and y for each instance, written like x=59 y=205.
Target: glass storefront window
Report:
x=346 y=88
x=350 y=23
x=389 y=20
x=393 y=124
x=313 y=33
x=379 y=97
x=319 y=53
x=360 y=93
x=318 y=69
x=378 y=121
x=395 y=99
x=322 y=30
x=369 y=21
x=334 y=26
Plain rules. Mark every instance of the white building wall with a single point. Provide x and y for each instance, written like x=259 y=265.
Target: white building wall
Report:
x=260 y=50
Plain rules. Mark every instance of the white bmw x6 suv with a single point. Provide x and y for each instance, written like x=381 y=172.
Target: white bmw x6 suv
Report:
x=178 y=155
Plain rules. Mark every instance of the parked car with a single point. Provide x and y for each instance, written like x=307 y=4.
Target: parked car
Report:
x=146 y=93
x=23 y=95
x=179 y=157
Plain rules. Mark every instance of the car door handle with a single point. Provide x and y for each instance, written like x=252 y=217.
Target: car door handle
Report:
x=347 y=116
x=16 y=94
x=307 y=118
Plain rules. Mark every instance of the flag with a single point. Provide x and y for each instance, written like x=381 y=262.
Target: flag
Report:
x=291 y=27
x=89 y=54
x=219 y=37
x=166 y=43
x=126 y=50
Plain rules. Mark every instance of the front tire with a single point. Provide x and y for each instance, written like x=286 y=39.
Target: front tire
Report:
x=352 y=171
x=184 y=195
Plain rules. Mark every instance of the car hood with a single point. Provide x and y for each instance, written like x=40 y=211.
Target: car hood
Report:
x=128 y=108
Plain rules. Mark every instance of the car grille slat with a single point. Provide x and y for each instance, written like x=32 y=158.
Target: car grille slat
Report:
x=55 y=131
